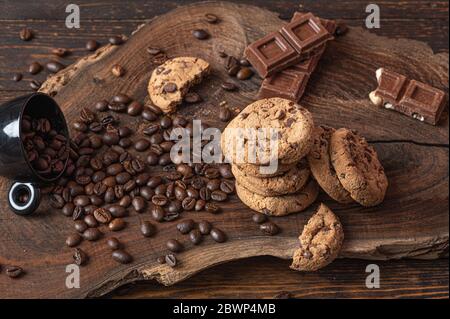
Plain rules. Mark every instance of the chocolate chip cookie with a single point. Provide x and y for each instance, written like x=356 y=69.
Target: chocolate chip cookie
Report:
x=259 y=171
x=171 y=81
x=357 y=167
x=288 y=125
x=279 y=205
x=320 y=241
x=290 y=182
x=321 y=168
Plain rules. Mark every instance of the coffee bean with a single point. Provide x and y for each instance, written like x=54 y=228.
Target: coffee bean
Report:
x=185 y=226
x=78 y=212
x=259 y=218
x=341 y=29
x=54 y=66
x=80 y=257
x=92 y=234
x=153 y=50
x=34 y=68
x=229 y=86
x=138 y=165
x=111 y=138
x=147 y=229
x=180 y=193
x=218 y=235
x=17 y=77
x=224 y=114
x=269 y=228
x=90 y=221
x=211 y=18
x=26 y=34
x=200 y=34
x=73 y=240
x=81 y=200
x=212 y=208
x=80 y=226
x=60 y=52
x=244 y=62
x=188 y=203
x=219 y=196
x=174 y=245
x=225 y=171
x=212 y=172
x=141 y=145
x=171 y=216
x=171 y=260
x=227 y=186
x=101 y=106
x=244 y=73
x=165 y=122
x=116 y=40
x=57 y=201
x=35 y=85
x=113 y=243
x=213 y=184
x=192 y=97
x=199 y=205
x=118 y=210
x=102 y=215
x=157 y=213
x=117 y=224
x=121 y=256
x=134 y=108
x=204 y=227
x=159 y=200
x=148 y=115
x=117 y=70
x=91 y=45
x=195 y=236
x=138 y=204
x=68 y=209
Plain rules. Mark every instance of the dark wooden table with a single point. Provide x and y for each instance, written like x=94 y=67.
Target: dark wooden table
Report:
x=262 y=277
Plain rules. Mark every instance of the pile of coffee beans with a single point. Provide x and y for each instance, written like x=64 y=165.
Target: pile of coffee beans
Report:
x=46 y=148
x=115 y=171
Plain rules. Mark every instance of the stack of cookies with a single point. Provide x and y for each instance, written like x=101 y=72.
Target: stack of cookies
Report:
x=289 y=188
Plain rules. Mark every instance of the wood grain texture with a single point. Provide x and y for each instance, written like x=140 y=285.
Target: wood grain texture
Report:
x=415 y=159
x=267 y=277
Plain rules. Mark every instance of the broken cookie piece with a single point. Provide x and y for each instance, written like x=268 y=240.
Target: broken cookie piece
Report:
x=171 y=81
x=320 y=241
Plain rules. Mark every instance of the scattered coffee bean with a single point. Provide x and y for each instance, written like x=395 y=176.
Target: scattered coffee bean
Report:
x=117 y=224
x=101 y=106
x=153 y=50
x=121 y=256
x=138 y=204
x=229 y=86
x=171 y=216
x=117 y=70
x=17 y=77
x=185 y=226
x=14 y=271
x=141 y=145
x=73 y=240
x=218 y=235
x=341 y=29
x=161 y=260
x=204 y=227
x=195 y=236
x=269 y=228
x=219 y=196
x=211 y=18
x=244 y=73
x=224 y=114
x=192 y=97
x=54 y=66
x=170 y=87
x=26 y=34
x=60 y=52
x=92 y=234
x=259 y=218
x=79 y=257
x=34 y=68
x=91 y=45
x=80 y=226
x=102 y=215
x=134 y=108
x=35 y=85
x=244 y=62
x=90 y=221
x=147 y=229
x=227 y=186
x=171 y=260
x=116 y=40
x=174 y=245
x=200 y=34
x=113 y=243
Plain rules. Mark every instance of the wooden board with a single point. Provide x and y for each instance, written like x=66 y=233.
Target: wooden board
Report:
x=412 y=222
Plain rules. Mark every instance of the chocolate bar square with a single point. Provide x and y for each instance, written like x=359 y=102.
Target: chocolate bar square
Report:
x=390 y=85
x=270 y=54
x=423 y=102
x=289 y=84
x=305 y=33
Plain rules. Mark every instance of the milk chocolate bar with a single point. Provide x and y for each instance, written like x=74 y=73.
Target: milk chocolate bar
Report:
x=288 y=46
x=291 y=82
x=410 y=97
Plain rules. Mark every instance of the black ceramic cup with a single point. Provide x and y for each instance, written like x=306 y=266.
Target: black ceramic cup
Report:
x=24 y=194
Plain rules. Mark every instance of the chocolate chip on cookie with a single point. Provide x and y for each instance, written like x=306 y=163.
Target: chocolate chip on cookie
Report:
x=320 y=241
x=357 y=167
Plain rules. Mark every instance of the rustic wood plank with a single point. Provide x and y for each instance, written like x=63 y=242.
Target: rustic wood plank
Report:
x=144 y=9
x=405 y=225
x=267 y=277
